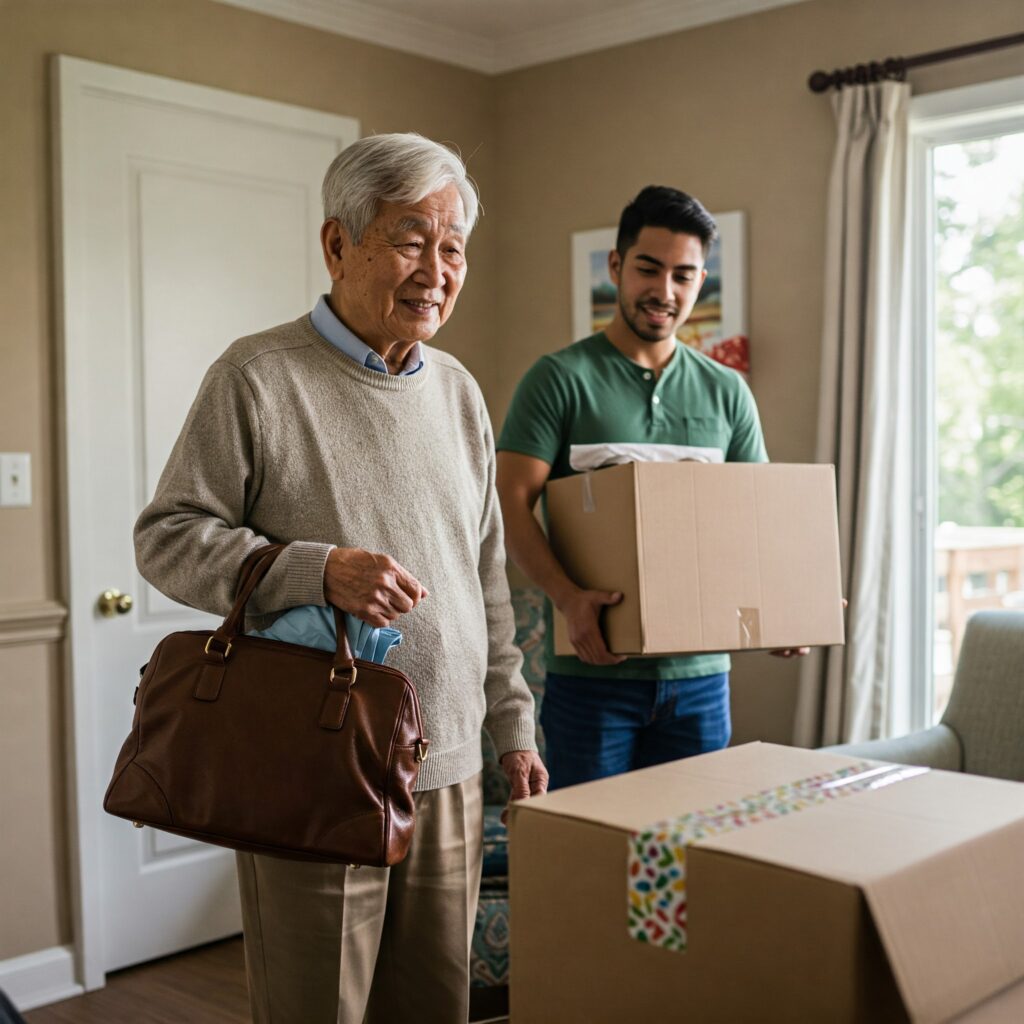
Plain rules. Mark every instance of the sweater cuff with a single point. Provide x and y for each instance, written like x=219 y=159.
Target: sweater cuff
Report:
x=513 y=734
x=304 y=573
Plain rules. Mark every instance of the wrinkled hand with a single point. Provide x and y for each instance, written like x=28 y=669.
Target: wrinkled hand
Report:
x=526 y=775
x=372 y=587
x=582 y=615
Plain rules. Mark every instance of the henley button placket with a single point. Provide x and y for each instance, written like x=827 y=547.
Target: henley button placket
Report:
x=657 y=416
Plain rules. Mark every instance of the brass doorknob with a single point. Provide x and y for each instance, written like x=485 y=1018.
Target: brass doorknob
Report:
x=113 y=602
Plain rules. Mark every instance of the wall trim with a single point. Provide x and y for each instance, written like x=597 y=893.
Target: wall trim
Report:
x=494 y=54
x=618 y=26
x=32 y=622
x=40 y=978
x=356 y=19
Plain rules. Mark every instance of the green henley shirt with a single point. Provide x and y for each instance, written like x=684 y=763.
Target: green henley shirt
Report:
x=590 y=393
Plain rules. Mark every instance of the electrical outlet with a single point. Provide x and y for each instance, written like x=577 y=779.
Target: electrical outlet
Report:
x=15 y=480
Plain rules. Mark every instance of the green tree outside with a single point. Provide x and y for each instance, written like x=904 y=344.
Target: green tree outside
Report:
x=980 y=335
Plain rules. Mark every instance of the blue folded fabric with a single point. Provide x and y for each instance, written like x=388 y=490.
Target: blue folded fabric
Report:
x=313 y=626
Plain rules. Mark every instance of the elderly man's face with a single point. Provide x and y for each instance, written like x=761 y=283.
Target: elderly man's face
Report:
x=400 y=283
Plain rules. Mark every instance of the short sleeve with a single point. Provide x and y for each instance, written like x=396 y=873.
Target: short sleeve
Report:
x=747 y=443
x=537 y=418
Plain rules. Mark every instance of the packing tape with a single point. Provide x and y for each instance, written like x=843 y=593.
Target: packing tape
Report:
x=656 y=869
x=750 y=627
x=588 y=493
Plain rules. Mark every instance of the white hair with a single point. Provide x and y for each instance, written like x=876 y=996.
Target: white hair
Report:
x=395 y=168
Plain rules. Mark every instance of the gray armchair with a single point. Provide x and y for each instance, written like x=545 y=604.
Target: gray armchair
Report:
x=982 y=729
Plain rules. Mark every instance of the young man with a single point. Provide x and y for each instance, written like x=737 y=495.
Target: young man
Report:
x=631 y=383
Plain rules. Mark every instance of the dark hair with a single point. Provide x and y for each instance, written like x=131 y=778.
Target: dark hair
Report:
x=658 y=206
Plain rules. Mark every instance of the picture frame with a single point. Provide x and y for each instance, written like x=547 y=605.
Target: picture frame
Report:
x=718 y=324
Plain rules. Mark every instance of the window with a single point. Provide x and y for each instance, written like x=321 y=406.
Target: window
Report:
x=967 y=181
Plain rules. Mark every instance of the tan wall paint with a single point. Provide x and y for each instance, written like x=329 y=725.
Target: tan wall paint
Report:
x=33 y=854
x=556 y=149
x=210 y=44
x=721 y=111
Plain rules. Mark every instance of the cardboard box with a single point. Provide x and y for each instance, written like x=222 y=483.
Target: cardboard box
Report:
x=708 y=557
x=891 y=904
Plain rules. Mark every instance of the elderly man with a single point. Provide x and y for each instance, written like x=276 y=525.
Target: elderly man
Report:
x=371 y=454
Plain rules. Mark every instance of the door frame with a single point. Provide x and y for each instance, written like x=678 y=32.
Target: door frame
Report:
x=72 y=79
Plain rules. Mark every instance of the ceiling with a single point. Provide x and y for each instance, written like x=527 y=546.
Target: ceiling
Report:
x=493 y=36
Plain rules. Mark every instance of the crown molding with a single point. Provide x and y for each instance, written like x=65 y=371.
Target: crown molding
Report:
x=628 y=23
x=360 y=20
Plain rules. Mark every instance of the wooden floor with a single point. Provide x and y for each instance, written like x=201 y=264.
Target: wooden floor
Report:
x=202 y=986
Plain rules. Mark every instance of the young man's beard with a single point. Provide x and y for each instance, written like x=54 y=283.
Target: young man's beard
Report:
x=643 y=333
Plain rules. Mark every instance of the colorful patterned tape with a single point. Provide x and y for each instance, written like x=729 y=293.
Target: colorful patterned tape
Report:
x=657 y=855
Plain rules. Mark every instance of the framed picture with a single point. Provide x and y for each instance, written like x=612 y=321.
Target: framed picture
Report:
x=718 y=324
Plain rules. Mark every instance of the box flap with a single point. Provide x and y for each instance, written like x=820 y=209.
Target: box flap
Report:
x=997 y=1009
x=953 y=926
x=938 y=857
x=878 y=833
x=641 y=798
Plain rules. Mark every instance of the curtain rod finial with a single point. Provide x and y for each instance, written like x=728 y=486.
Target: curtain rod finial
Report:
x=819 y=81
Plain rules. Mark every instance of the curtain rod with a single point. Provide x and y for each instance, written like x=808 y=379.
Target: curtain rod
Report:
x=897 y=67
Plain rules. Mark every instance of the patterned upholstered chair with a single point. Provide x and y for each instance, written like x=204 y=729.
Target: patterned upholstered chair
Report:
x=489 y=961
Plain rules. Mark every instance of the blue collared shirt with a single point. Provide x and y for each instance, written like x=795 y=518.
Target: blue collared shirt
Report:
x=313 y=626
x=331 y=329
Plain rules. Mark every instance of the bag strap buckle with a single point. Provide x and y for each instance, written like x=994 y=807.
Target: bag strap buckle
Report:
x=352 y=669
x=224 y=654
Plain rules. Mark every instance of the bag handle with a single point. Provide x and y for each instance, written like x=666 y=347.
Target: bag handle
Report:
x=254 y=568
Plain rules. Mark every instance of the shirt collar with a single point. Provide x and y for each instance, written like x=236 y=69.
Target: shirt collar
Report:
x=673 y=362
x=331 y=329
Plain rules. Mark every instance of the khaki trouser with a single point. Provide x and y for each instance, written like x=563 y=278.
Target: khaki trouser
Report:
x=327 y=944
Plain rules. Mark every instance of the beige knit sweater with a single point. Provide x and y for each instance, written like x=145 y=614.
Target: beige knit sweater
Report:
x=291 y=440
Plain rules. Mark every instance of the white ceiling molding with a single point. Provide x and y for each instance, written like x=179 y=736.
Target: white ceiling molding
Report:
x=552 y=37
x=623 y=23
x=360 y=20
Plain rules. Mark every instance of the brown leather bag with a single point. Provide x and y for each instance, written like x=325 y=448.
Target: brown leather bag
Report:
x=272 y=747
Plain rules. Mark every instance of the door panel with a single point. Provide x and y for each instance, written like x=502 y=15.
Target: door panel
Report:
x=190 y=217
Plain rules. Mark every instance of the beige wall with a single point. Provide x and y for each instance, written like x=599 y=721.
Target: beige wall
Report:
x=211 y=44
x=33 y=854
x=722 y=111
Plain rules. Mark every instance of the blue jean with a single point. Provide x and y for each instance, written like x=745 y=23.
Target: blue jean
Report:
x=599 y=727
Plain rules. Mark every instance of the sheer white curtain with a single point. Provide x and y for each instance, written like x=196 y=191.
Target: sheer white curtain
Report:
x=862 y=430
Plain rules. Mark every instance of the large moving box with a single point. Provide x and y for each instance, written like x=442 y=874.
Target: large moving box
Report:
x=707 y=557
x=894 y=895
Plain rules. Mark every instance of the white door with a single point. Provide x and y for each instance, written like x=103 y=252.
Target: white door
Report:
x=189 y=217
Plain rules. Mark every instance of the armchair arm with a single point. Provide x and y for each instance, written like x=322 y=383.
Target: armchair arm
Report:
x=937 y=747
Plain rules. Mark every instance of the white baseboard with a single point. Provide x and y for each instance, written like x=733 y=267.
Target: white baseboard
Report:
x=40 y=978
